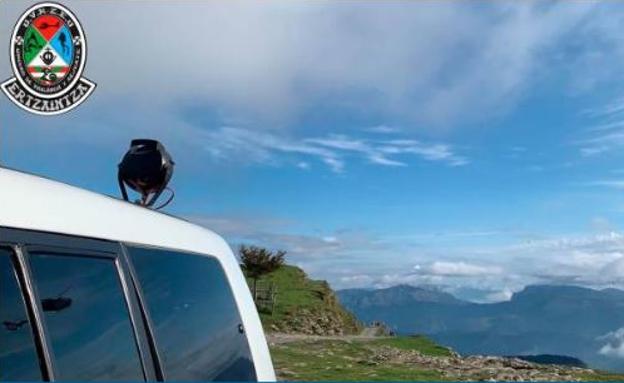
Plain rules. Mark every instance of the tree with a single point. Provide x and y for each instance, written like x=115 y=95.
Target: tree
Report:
x=258 y=261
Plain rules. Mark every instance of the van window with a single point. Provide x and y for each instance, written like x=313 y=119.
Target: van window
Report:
x=197 y=326
x=18 y=358
x=86 y=317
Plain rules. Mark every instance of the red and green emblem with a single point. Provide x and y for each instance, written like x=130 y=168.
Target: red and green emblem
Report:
x=48 y=49
x=48 y=55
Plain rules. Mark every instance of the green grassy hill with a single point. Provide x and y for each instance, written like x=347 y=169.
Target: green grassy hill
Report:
x=305 y=306
x=353 y=360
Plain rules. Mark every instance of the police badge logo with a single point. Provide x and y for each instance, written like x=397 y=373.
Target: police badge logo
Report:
x=48 y=55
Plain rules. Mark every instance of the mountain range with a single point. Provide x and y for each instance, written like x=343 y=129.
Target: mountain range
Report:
x=569 y=321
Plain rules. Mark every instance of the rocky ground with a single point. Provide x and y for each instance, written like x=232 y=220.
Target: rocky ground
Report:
x=321 y=321
x=359 y=357
x=480 y=368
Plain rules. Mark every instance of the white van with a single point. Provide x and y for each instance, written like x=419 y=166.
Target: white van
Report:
x=94 y=288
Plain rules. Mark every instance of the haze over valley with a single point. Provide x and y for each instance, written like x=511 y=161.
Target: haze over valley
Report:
x=570 y=321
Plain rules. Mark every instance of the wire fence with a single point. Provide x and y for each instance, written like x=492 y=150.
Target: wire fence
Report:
x=265 y=296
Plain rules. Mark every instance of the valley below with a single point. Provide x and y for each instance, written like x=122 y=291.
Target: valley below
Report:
x=566 y=321
x=407 y=333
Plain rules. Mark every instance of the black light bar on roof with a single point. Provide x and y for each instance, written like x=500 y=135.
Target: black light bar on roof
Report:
x=146 y=168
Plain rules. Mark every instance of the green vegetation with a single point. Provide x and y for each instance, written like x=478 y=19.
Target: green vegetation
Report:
x=601 y=376
x=258 y=261
x=347 y=360
x=420 y=343
x=305 y=306
x=392 y=359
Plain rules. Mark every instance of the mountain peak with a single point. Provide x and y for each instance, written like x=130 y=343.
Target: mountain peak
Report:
x=402 y=294
x=563 y=292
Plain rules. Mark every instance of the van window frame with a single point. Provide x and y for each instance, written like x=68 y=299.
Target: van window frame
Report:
x=152 y=343
x=21 y=242
x=126 y=246
x=44 y=362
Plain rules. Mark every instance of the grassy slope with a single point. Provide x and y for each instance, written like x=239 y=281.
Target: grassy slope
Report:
x=350 y=360
x=421 y=343
x=601 y=376
x=299 y=297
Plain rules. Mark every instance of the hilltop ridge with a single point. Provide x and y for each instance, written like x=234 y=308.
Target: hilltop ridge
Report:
x=305 y=306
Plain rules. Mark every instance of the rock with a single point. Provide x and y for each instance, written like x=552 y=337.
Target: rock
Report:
x=483 y=368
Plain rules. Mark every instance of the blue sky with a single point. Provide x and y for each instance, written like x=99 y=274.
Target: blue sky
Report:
x=475 y=146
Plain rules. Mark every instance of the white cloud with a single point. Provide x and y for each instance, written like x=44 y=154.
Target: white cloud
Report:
x=383 y=129
x=589 y=260
x=326 y=246
x=612 y=109
x=446 y=236
x=240 y=226
x=436 y=152
x=278 y=57
x=601 y=224
x=595 y=261
x=356 y=280
x=614 y=345
x=459 y=269
x=359 y=258
x=499 y=296
x=607 y=133
x=303 y=165
x=594 y=150
x=615 y=184
x=229 y=143
x=601 y=142
x=379 y=159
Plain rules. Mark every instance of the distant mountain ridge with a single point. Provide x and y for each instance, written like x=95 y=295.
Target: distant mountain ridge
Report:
x=552 y=359
x=400 y=294
x=539 y=320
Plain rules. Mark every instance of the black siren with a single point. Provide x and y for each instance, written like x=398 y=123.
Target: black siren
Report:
x=146 y=168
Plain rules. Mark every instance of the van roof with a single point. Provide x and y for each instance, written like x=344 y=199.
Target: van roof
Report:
x=36 y=203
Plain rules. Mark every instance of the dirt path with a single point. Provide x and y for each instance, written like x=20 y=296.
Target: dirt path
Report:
x=369 y=332
x=279 y=338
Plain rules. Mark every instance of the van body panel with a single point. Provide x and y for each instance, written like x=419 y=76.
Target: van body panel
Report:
x=33 y=203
